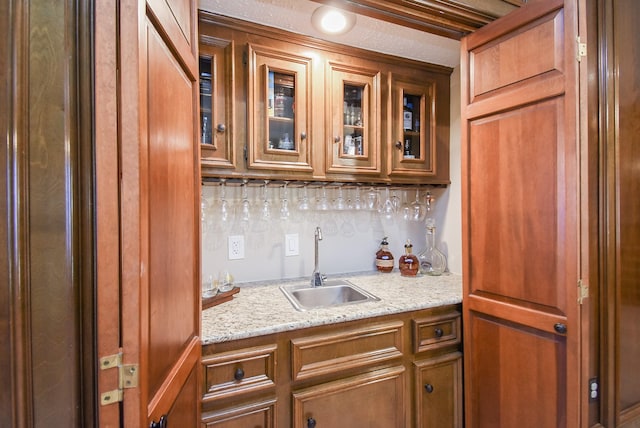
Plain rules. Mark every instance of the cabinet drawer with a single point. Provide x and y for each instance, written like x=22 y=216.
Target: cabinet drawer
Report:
x=237 y=372
x=436 y=332
x=262 y=414
x=334 y=352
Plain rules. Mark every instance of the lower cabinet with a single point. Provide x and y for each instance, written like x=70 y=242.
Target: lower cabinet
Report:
x=438 y=392
x=402 y=370
x=375 y=399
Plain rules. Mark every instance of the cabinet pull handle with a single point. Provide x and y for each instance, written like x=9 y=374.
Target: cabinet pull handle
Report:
x=560 y=328
x=311 y=423
x=162 y=423
x=439 y=332
x=239 y=374
x=221 y=127
x=303 y=136
x=336 y=139
x=399 y=145
x=429 y=388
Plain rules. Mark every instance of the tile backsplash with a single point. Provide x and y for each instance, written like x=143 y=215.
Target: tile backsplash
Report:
x=350 y=236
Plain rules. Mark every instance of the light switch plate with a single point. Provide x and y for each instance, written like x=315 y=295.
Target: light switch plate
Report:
x=236 y=247
x=291 y=245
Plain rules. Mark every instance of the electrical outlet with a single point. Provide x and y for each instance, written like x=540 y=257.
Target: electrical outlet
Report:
x=291 y=245
x=236 y=247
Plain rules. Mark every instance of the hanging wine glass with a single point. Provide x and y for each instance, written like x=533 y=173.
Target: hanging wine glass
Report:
x=323 y=203
x=386 y=208
x=417 y=209
x=303 y=204
x=245 y=205
x=340 y=204
x=284 y=203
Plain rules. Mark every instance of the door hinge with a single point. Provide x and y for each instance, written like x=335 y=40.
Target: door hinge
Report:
x=583 y=291
x=127 y=378
x=582 y=49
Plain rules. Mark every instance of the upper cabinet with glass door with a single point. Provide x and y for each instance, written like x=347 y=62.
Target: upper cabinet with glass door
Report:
x=418 y=147
x=353 y=126
x=217 y=99
x=279 y=96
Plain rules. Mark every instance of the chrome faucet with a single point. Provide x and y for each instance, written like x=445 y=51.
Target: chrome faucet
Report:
x=317 y=279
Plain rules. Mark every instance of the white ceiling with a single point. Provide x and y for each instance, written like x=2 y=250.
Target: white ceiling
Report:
x=368 y=33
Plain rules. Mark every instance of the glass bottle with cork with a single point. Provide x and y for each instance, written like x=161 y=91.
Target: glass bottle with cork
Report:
x=408 y=262
x=384 y=258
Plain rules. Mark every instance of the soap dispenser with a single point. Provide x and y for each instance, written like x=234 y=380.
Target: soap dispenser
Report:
x=408 y=262
x=384 y=258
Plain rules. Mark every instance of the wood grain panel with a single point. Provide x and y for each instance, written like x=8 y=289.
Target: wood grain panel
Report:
x=536 y=396
x=543 y=41
x=171 y=218
x=438 y=392
x=345 y=403
x=517 y=235
x=333 y=352
x=627 y=57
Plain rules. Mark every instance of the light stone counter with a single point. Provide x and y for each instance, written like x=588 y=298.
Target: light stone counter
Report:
x=260 y=309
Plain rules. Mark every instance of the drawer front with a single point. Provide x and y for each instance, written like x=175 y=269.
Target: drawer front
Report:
x=436 y=332
x=262 y=414
x=238 y=372
x=334 y=352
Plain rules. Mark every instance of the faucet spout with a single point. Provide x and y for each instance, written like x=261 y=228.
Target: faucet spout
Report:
x=317 y=279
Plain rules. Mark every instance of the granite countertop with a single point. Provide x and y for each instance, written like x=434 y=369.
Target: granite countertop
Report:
x=262 y=308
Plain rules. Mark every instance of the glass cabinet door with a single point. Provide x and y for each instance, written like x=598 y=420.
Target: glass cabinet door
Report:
x=354 y=101
x=278 y=111
x=413 y=148
x=216 y=103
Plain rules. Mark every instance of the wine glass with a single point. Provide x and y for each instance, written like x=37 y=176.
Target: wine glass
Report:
x=323 y=203
x=339 y=203
x=284 y=203
x=387 y=209
x=245 y=205
x=303 y=204
x=417 y=209
x=373 y=199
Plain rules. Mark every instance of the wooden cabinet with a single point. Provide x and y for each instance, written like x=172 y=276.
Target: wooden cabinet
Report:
x=305 y=109
x=217 y=102
x=413 y=151
x=353 y=119
x=374 y=399
x=279 y=105
x=229 y=377
x=373 y=372
x=437 y=375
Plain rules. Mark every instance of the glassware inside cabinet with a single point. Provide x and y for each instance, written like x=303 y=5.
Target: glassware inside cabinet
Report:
x=281 y=111
x=411 y=114
x=353 y=121
x=206 y=90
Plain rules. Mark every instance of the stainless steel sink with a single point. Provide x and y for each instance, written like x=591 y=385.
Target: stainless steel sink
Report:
x=331 y=293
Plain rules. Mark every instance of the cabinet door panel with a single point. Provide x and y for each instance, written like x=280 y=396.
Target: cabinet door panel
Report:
x=217 y=102
x=279 y=99
x=348 y=403
x=353 y=105
x=413 y=150
x=521 y=163
x=438 y=392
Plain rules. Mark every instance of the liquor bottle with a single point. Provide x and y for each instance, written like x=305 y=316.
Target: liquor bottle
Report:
x=407 y=117
x=384 y=258
x=408 y=262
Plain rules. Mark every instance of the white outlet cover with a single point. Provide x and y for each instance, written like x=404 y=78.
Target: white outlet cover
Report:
x=236 y=247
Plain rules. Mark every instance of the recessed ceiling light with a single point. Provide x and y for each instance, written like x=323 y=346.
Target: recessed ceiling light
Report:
x=330 y=20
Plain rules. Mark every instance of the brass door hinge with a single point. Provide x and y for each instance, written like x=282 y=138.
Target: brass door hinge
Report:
x=127 y=378
x=583 y=291
x=582 y=49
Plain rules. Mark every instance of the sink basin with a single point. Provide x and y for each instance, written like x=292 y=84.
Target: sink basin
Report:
x=331 y=293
